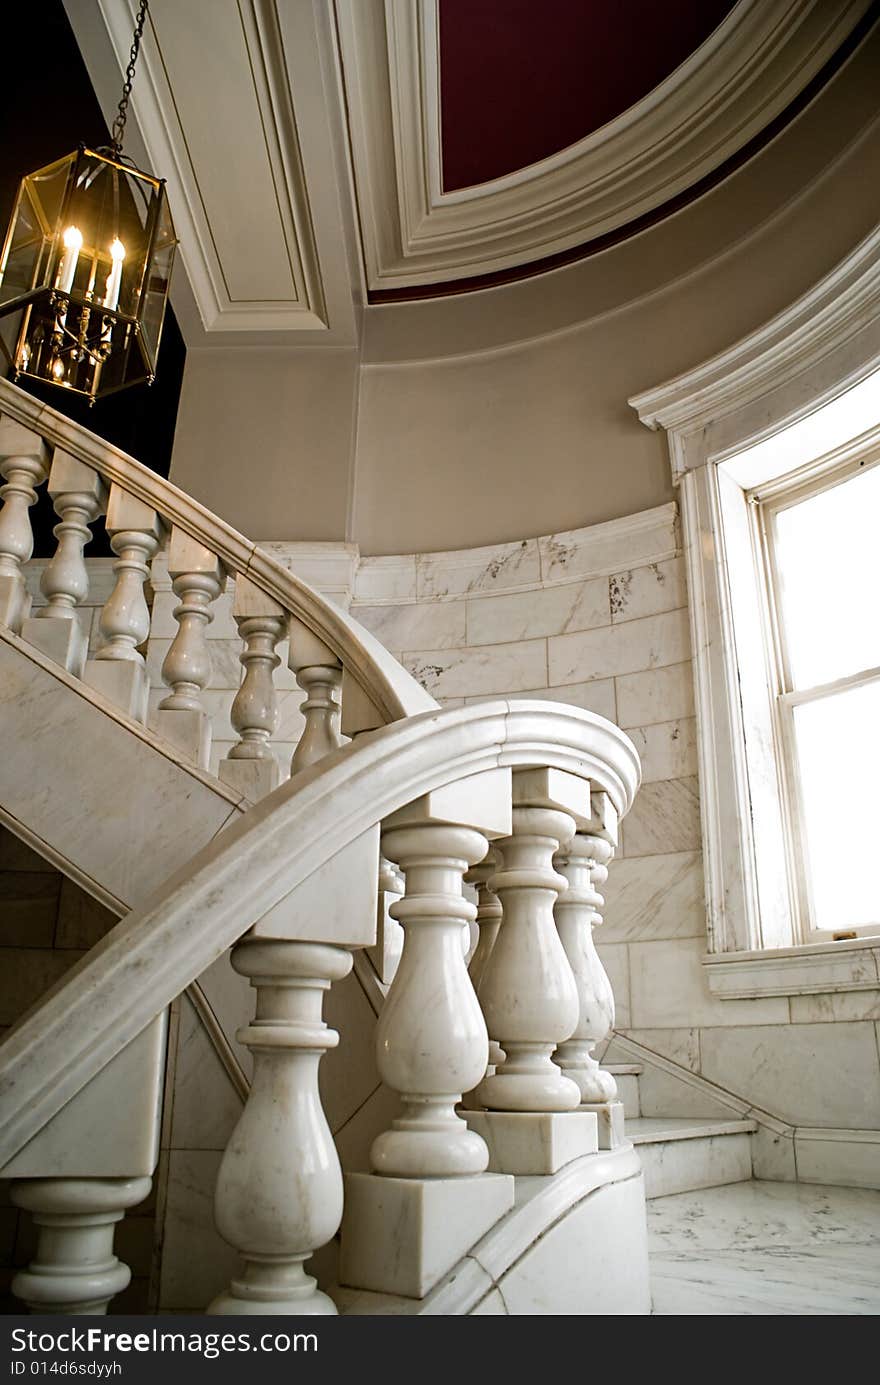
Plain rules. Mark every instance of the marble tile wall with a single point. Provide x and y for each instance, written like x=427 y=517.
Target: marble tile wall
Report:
x=46 y=923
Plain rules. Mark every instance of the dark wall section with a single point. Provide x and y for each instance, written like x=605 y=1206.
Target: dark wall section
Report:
x=49 y=107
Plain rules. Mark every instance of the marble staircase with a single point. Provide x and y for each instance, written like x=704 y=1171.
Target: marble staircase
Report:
x=486 y=1167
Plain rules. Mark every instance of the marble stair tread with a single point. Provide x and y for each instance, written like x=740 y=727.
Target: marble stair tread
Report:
x=646 y=1130
x=624 y=1069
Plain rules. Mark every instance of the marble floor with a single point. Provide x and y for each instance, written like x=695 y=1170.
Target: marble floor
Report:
x=766 y=1248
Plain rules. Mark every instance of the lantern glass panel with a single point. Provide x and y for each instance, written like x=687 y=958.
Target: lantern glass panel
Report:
x=84 y=276
x=158 y=279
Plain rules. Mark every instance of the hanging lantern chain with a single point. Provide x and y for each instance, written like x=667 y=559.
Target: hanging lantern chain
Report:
x=118 y=130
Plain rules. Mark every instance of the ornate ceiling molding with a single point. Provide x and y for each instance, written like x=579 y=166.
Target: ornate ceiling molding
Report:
x=746 y=74
x=219 y=122
x=825 y=342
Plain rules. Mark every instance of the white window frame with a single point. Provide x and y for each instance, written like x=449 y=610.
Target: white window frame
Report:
x=826 y=343
x=768 y=500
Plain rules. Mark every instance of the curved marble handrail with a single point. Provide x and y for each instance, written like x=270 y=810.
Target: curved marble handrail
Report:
x=156 y=951
x=394 y=692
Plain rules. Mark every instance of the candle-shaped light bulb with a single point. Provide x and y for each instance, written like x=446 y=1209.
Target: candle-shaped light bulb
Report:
x=114 y=278
x=72 y=241
x=58 y=370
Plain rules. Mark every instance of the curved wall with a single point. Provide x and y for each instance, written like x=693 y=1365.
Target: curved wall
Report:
x=503 y=413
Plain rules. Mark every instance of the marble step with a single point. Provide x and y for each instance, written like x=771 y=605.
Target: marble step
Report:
x=626 y=1075
x=681 y=1154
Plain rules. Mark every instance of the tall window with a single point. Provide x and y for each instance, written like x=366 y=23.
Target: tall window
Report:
x=819 y=539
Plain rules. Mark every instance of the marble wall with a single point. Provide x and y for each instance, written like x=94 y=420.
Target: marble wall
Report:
x=46 y=923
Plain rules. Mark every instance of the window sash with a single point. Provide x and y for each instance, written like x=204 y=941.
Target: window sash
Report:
x=766 y=503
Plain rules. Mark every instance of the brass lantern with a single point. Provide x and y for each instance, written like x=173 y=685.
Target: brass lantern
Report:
x=86 y=265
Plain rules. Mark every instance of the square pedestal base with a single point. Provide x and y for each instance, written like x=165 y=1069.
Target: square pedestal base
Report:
x=402 y=1235
x=609 y=1115
x=62 y=640
x=253 y=779
x=539 y=1142
x=15 y=600
x=188 y=731
x=123 y=682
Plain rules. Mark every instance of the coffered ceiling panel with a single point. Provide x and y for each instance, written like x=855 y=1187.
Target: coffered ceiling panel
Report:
x=214 y=107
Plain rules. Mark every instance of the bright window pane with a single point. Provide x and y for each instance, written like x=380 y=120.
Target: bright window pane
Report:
x=839 y=754
x=829 y=563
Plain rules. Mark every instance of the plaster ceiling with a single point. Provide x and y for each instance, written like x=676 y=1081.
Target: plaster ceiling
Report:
x=321 y=154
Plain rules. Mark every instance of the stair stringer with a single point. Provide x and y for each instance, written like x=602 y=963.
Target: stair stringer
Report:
x=92 y=791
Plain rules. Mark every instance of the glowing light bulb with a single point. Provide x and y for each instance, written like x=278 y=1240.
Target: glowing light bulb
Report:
x=114 y=278
x=72 y=241
x=58 y=370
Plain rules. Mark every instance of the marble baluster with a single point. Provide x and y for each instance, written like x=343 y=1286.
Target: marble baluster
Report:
x=118 y=670
x=319 y=674
x=430 y=1198
x=387 y=950
x=23 y=465
x=79 y=495
x=576 y=912
x=584 y=863
x=74 y=1269
x=250 y=766
x=279 y=1189
x=488 y=922
x=197 y=577
x=527 y=990
x=431 y=1040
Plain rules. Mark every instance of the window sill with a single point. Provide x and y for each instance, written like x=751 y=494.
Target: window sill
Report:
x=814 y=968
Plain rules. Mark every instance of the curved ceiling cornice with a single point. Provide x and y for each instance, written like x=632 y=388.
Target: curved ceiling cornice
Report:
x=419 y=239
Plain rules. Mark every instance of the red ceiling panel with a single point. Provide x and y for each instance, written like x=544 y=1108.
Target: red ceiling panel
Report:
x=522 y=79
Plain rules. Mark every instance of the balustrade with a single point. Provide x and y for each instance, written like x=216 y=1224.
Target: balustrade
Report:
x=535 y=982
